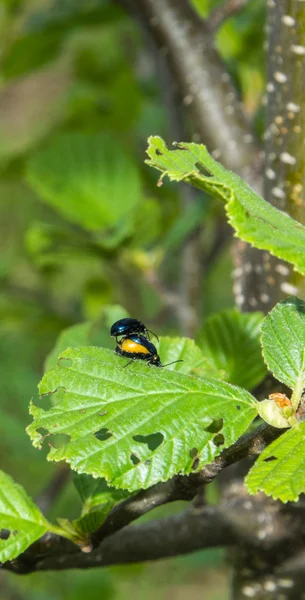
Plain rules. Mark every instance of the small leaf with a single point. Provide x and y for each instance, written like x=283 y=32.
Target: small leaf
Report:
x=223 y=341
x=283 y=342
x=94 y=492
x=254 y=220
x=139 y=425
x=272 y=414
x=89 y=179
x=280 y=470
x=20 y=516
x=91 y=521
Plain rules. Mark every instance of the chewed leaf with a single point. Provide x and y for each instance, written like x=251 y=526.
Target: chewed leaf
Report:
x=20 y=517
x=280 y=469
x=136 y=426
x=254 y=220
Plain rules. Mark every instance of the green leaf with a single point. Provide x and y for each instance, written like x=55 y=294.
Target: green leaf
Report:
x=280 y=470
x=254 y=220
x=94 y=492
x=91 y=521
x=223 y=341
x=20 y=516
x=181 y=348
x=283 y=342
x=88 y=179
x=139 y=425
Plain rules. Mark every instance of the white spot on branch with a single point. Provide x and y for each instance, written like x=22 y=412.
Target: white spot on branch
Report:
x=270 y=87
x=300 y=50
x=282 y=270
x=269 y=586
x=280 y=77
x=288 y=20
x=288 y=288
x=270 y=174
x=287 y=158
x=188 y=100
x=264 y=298
x=278 y=193
x=291 y=106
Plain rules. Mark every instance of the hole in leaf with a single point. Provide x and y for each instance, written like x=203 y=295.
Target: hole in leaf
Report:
x=158 y=152
x=153 y=441
x=270 y=458
x=42 y=431
x=147 y=462
x=5 y=534
x=215 y=426
x=193 y=452
x=134 y=459
x=218 y=439
x=237 y=407
x=103 y=434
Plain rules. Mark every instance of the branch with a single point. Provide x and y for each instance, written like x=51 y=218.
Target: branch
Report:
x=225 y=11
x=236 y=521
x=158 y=539
x=203 y=82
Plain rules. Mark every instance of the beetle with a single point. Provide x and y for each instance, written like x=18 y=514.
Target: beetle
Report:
x=138 y=347
x=126 y=327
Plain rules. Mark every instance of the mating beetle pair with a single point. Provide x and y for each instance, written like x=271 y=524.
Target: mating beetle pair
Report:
x=135 y=343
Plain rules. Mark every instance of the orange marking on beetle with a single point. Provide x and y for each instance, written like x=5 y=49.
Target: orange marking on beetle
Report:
x=133 y=348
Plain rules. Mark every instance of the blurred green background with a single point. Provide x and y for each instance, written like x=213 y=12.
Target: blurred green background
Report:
x=84 y=227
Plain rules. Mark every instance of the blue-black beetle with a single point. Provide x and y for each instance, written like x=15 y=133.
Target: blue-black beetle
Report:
x=127 y=327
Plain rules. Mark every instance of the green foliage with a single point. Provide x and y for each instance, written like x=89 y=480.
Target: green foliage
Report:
x=95 y=492
x=283 y=341
x=89 y=179
x=223 y=341
x=140 y=425
x=90 y=332
x=254 y=220
x=175 y=348
x=280 y=470
x=20 y=516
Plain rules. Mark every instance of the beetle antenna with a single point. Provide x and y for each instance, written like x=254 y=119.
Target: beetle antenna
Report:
x=172 y=363
x=149 y=330
x=129 y=363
